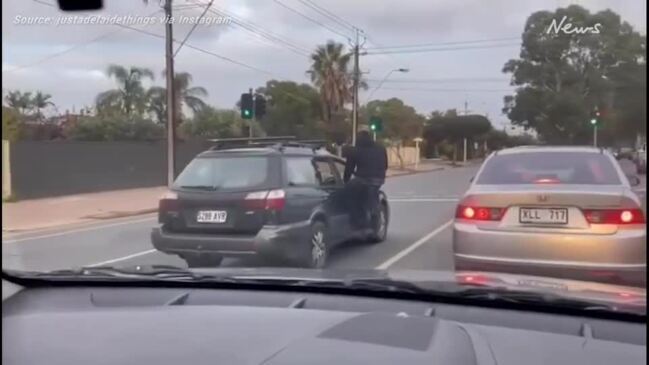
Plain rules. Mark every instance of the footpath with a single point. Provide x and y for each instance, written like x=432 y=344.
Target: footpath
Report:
x=79 y=209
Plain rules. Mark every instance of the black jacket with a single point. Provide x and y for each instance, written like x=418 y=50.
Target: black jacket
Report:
x=367 y=160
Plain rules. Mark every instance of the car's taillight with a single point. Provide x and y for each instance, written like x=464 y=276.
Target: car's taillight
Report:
x=479 y=213
x=614 y=216
x=276 y=200
x=269 y=200
x=168 y=202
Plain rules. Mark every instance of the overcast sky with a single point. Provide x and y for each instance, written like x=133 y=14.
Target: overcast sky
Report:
x=68 y=61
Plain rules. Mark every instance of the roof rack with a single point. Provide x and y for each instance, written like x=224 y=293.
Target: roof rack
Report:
x=221 y=143
x=279 y=143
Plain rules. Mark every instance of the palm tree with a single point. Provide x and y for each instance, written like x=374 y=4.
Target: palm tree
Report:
x=187 y=96
x=41 y=101
x=19 y=101
x=329 y=72
x=129 y=97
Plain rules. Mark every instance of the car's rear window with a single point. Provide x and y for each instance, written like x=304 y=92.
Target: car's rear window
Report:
x=224 y=173
x=549 y=167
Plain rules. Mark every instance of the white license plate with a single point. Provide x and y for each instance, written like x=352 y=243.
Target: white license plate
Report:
x=543 y=215
x=211 y=216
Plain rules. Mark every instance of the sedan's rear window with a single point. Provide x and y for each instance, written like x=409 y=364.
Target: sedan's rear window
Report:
x=550 y=167
x=224 y=173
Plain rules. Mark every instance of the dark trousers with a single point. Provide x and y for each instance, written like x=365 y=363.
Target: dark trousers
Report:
x=363 y=201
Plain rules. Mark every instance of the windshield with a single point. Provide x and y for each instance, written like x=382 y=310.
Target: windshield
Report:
x=559 y=167
x=223 y=135
x=224 y=173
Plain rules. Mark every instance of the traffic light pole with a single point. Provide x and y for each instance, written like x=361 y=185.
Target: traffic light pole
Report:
x=171 y=104
x=355 y=91
x=250 y=121
x=595 y=135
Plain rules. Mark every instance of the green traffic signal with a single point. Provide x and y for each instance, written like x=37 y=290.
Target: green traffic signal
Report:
x=376 y=124
x=593 y=121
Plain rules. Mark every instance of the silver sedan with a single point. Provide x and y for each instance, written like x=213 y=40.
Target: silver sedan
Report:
x=566 y=212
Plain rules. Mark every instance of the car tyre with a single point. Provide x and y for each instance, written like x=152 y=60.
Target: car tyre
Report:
x=317 y=252
x=379 y=226
x=203 y=261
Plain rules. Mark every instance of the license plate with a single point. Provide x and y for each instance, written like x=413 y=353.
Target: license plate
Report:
x=211 y=216
x=543 y=215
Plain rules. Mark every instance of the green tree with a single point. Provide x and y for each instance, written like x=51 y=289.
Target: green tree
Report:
x=41 y=101
x=186 y=96
x=209 y=122
x=330 y=74
x=401 y=123
x=130 y=96
x=21 y=102
x=292 y=109
x=115 y=128
x=562 y=76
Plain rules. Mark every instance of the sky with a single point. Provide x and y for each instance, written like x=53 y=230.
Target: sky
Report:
x=69 y=61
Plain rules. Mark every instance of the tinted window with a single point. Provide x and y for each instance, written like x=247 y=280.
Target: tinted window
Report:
x=301 y=171
x=225 y=172
x=557 y=167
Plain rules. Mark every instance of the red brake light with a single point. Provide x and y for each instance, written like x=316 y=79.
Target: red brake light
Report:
x=276 y=200
x=268 y=200
x=614 y=216
x=479 y=213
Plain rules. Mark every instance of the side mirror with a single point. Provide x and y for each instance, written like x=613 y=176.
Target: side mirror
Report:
x=634 y=180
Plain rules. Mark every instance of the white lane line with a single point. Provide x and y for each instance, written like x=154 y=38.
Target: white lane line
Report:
x=389 y=262
x=137 y=254
x=85 y=229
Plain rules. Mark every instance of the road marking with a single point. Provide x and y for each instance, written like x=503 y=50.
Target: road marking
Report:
x=78 y=230
x=389 y=262
x=137 y=254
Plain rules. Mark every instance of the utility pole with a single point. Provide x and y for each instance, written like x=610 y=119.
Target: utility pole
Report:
x=171 y=104
x=250 y=120
x=355 y=91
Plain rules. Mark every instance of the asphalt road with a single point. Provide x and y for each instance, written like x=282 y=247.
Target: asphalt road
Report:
x=419 y=236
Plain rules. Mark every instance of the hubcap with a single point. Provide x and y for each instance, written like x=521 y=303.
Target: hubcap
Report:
x=318 y=249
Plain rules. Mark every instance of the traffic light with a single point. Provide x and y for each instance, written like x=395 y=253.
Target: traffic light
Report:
x=260 y=107
x=246 y=106
x=376 y=124
x=595 y=117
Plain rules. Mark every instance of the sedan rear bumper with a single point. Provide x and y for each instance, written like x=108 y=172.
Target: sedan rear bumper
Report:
x=620 y=257
x=275 y=241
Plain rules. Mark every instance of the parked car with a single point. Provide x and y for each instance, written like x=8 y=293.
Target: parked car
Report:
x=284 y=201
x=553 y=211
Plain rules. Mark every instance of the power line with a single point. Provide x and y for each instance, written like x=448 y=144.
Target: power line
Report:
x=441 y=80
x=67 y=50
x=261 y=32
x=311 y=19
x=446 y=90
x=446 y=43
x=444 y=49
x=227 y=59
x=194 y=27
x=328 y=14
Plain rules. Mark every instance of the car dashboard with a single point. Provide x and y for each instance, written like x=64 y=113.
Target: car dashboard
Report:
x=137 y=325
